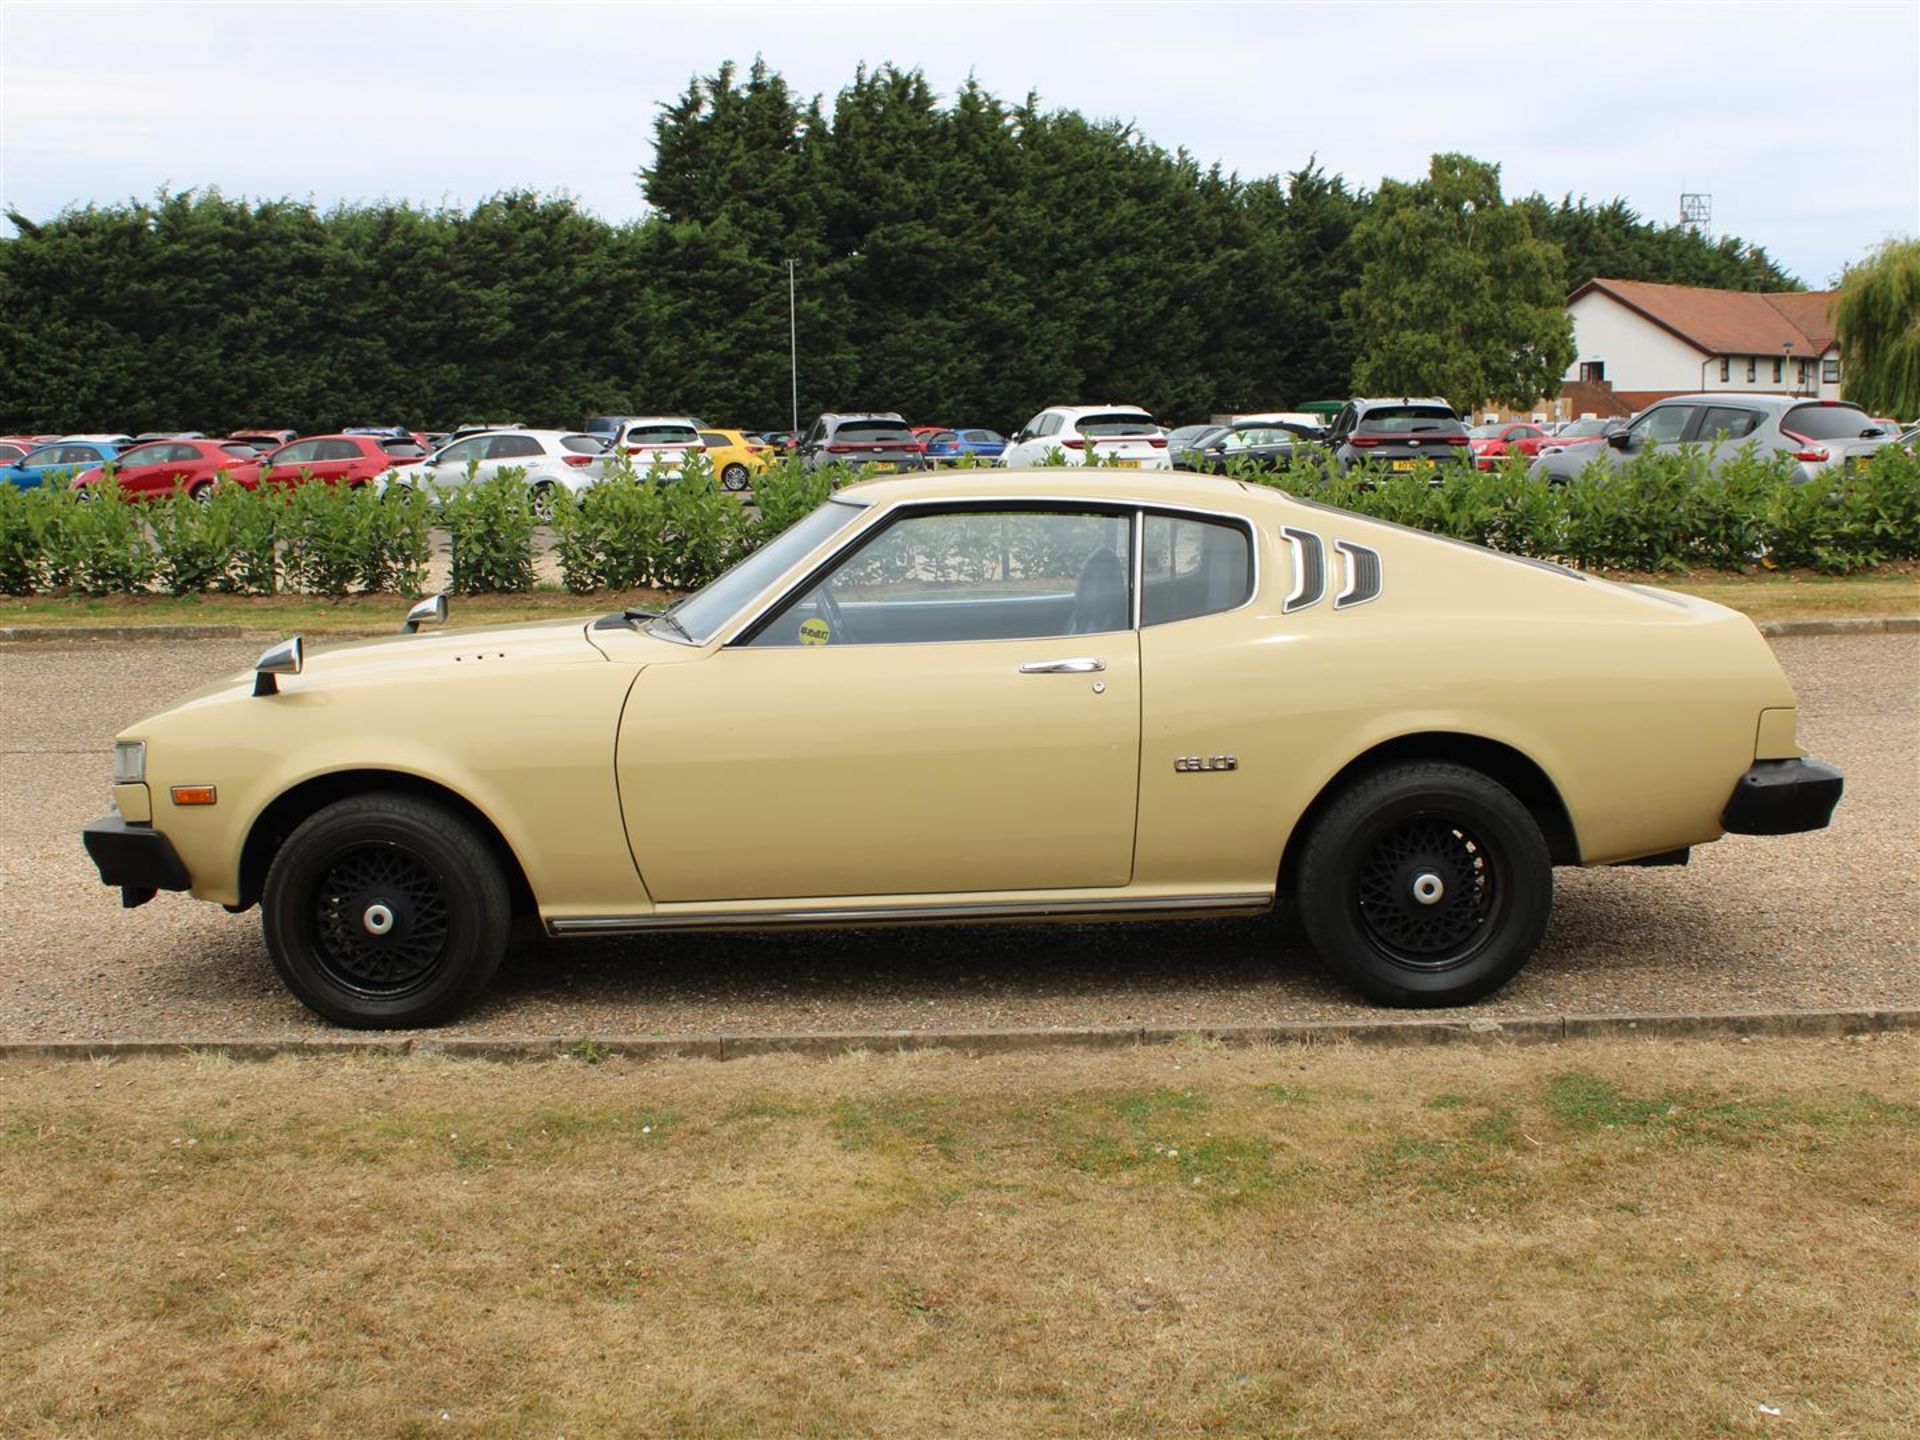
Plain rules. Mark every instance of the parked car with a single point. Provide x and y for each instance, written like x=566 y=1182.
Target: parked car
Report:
x=1124 y=435
x=13 y=450
x=882 y=440
x=1264 y=445
x=1818 y=434
x=784 y=441
x=735 y=456
x=939 y=444
x=999 y=697
x=980 y=443
x=611 y=426
x=1583 y=432
x=344 y=459
x=160 y=468
x=657 y=445
x=150 y=435
x=58 y=462
x=1492 y=444
x=1182 y=443
x=1400 y=435
x=265 y=440
x=554 y=461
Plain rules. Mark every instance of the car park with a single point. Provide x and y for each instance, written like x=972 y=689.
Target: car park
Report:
x=346 y=459
x=1720 y=425
x=554 y=462
x=161 y=468
x=1403 y=435
x=1491 y=444
x=57 y=462
x=1124 y=436
x=735 y=456
x=880 y=439
x=1051 y=695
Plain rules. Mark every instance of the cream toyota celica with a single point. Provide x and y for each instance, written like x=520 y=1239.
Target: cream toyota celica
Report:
x=1053 y=695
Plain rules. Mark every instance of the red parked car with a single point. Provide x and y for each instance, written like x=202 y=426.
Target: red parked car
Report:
x=157 y=469
x=1493 y=443
x=350 y=460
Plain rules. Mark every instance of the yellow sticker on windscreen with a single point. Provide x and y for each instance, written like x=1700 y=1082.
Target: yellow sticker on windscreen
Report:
x=815 y=632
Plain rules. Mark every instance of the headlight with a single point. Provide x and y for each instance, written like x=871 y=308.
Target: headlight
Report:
x=129 y=762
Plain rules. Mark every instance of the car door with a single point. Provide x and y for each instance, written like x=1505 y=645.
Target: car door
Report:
x=954 y=707
x=450 y=466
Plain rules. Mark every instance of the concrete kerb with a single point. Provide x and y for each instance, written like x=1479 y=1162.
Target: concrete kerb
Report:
x=1522 y=1030
x=1781 y=629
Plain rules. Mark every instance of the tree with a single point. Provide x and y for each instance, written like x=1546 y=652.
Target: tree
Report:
x=1877 y=315
x=1457 y=296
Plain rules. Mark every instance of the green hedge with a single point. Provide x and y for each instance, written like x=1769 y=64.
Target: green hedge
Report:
x=1660 y=512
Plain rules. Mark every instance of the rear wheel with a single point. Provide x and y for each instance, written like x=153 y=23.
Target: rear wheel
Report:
x=385 y=911
x=543 y=501
x=734 y=476
x=201 y=493
x=1426 y=885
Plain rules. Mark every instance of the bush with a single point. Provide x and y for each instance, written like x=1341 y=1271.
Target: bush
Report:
x=321 y=529
x=98 y=545
x=22 y=540
x=250 y=521
x=490 y=526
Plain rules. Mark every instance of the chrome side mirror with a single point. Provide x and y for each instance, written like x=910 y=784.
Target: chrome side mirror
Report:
x=286 y=658
x=430 y=611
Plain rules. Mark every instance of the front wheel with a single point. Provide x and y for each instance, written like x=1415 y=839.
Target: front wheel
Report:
x=1426 y=885
x=385 y=911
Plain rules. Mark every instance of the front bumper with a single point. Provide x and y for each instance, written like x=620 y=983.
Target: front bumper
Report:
x=1783 y=797
x=137 y=858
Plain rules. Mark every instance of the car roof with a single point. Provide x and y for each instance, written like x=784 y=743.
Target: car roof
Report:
x=650 y=420
x=1750 y=397
x=1176 y=488
x=1100 y=409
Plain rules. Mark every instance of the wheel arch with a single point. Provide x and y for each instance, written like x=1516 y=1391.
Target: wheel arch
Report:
x=291 y=807
x=1499 y=762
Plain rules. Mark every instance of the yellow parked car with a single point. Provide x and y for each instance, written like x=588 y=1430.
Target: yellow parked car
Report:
x=735 y=457
x=979 y=695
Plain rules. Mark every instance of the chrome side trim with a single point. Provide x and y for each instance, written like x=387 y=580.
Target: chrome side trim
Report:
x=897 y=914
x=1363 y=575
x=1309 y=569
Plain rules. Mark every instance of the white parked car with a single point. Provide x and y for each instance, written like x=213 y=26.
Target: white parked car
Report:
x=554 y=460
x=1122 y=434
x=658 y=444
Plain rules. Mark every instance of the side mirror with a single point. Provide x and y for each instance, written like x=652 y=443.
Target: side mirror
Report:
x=1619 y=439
x=430 y=611
x=286 y=658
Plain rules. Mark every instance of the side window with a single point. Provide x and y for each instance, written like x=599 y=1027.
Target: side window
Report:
x=1049 y=424
x=300 y=454
x=1726 y=423
x=970 y=575
x=462 y=454
x=1032 y=427
x=814 y=432
x=1193 y=567
x=338 y=450
x=1663 y=425
x=513 y=447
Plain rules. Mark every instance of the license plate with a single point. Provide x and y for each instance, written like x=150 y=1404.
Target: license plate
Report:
x=1128 y=464
x=1862 y=465
x=1405 y=464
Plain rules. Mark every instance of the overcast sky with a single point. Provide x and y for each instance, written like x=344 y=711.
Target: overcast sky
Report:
x=1802 y=120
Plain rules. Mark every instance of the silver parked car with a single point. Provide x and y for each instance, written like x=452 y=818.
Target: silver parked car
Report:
x=555 y=462
x=1818 y=434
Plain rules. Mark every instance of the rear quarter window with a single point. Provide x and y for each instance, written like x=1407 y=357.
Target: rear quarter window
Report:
x=584 y=444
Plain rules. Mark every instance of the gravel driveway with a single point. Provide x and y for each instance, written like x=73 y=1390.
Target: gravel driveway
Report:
x=1830 y=919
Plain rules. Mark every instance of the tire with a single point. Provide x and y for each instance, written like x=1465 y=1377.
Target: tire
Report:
x=201 y=494
x=387 y=858
x=1425 y=885
x=396 y=492
x=542 y=500
x=734 y=477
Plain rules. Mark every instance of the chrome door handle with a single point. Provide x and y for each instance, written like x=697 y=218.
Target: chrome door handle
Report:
x=1083 y=666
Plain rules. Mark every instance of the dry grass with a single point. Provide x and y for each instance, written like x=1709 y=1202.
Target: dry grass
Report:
x=1890 y=590
x=1633 y=1238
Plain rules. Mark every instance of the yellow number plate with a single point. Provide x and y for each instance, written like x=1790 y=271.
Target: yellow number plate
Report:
x=1129 y=464
x=1404 y=464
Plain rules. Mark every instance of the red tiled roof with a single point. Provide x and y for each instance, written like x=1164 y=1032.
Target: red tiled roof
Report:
x=1728 y=322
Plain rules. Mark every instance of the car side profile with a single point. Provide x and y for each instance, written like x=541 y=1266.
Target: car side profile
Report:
x=1492 y=444
x=978 y=696
x=58 y=462
x=1124 y=436
x=163 y=467
x=735 y=457
x=344 y=459
x=554 y=462
x=1818 y=435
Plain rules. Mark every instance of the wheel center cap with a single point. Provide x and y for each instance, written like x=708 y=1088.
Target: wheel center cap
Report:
x=1429 y=888
x=378 y=919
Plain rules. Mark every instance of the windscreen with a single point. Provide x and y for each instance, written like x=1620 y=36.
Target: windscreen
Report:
x=705 y=611
x=1118 y=426
x=1827 y=422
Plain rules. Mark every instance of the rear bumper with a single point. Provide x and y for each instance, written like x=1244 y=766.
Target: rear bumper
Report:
x=1783 y=797
x=137 y=858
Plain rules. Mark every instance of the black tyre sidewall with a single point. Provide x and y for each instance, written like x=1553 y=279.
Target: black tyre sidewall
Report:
x=734 y=477
x=479 y=910
x=1328 y=883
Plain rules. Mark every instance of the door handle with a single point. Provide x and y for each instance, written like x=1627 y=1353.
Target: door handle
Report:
x=1083 y=666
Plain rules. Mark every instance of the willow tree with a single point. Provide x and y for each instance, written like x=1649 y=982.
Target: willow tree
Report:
x=1878 y=319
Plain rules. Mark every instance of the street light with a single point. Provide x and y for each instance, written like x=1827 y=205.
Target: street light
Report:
x=1791 y=382
x=793 y=345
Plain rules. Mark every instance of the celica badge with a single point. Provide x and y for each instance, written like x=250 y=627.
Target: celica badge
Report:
x=1196 y=764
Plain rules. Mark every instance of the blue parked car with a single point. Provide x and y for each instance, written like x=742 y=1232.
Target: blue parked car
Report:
x=59 y=461
x=987 y=444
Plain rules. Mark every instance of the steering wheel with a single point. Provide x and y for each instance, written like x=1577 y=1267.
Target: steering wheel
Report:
x=830 y=610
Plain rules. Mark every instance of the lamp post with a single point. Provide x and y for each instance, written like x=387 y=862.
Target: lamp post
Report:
x=1792 y=383
x=793 y=344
